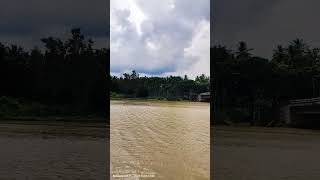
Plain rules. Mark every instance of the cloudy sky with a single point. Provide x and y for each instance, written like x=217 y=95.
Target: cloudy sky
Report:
x=160 y=37
x=265 y=24
x=26 y=22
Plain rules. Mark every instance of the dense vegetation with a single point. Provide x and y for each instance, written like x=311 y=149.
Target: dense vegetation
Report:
x=68 y=77
x=251 y=88
x=170 y=88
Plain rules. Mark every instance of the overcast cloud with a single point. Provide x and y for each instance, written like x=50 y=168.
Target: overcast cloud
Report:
x=26 y=22
x=265 y=24
x=167 y=37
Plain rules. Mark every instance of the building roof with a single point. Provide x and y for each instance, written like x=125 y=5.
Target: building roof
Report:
x=205 y=94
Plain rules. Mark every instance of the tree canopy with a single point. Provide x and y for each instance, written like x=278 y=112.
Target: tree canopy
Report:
x=171 y=87
x=70 y=73
x=243 y=81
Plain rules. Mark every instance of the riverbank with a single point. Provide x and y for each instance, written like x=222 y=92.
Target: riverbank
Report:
x=117 y=96
x=250 y=153
x=147 y=99
x=23 y=117
x=53 y=128
x=26 y=110
x=155 y=103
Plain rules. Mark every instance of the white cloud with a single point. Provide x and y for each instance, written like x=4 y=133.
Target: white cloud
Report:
x=199 y=51
x=160 y=37
x=136 y=16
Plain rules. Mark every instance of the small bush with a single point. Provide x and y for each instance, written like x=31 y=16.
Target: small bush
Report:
x=235 y=115
x=9 y=106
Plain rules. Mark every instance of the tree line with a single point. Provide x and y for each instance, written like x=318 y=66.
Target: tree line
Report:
x=70 y=74
x=252 y=88
x=170 y=88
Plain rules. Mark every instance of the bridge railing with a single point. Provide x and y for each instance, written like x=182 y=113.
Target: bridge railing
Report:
x=301 y=101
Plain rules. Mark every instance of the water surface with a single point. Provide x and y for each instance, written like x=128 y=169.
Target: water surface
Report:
x=251 y=153
x=160 y=140
x=35 y=151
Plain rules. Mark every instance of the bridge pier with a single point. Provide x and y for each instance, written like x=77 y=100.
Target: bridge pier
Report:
x=286 y=114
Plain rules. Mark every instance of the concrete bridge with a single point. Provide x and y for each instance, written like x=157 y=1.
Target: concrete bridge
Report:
x=302 y=112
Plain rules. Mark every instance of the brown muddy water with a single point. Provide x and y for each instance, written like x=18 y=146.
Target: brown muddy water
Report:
x=160 y=140
x=52 y=152
x=251 y=153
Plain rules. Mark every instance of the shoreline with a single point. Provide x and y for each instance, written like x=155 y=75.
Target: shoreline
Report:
x=147 y=99
x=78 y=119
x=220 y=129
x=53 y=128
x=116 y=96
x=154 y=100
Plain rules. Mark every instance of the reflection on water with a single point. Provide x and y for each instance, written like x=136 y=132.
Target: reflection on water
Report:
x=160 y=140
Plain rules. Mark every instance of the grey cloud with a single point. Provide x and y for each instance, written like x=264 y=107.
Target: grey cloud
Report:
x=200 y=9
x=34 y=19
x=265 y=24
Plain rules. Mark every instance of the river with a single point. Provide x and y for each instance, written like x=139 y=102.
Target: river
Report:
x=251 y=153
x=160 y=140
x=46 y=150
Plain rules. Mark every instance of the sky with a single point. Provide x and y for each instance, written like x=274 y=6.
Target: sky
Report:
x=160 y=38
x=264 y=24
x=26 y=22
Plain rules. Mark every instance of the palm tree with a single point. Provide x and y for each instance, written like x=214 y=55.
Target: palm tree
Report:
x=243 y=51
x=298 y=45
x=279 y=55
x=296 y=52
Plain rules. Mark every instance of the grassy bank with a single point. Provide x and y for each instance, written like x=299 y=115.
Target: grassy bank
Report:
x=24 y=110
x=118 y=96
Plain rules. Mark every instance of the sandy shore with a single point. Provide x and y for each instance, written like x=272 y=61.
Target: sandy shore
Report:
x=244 y=153
x=53 y=150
